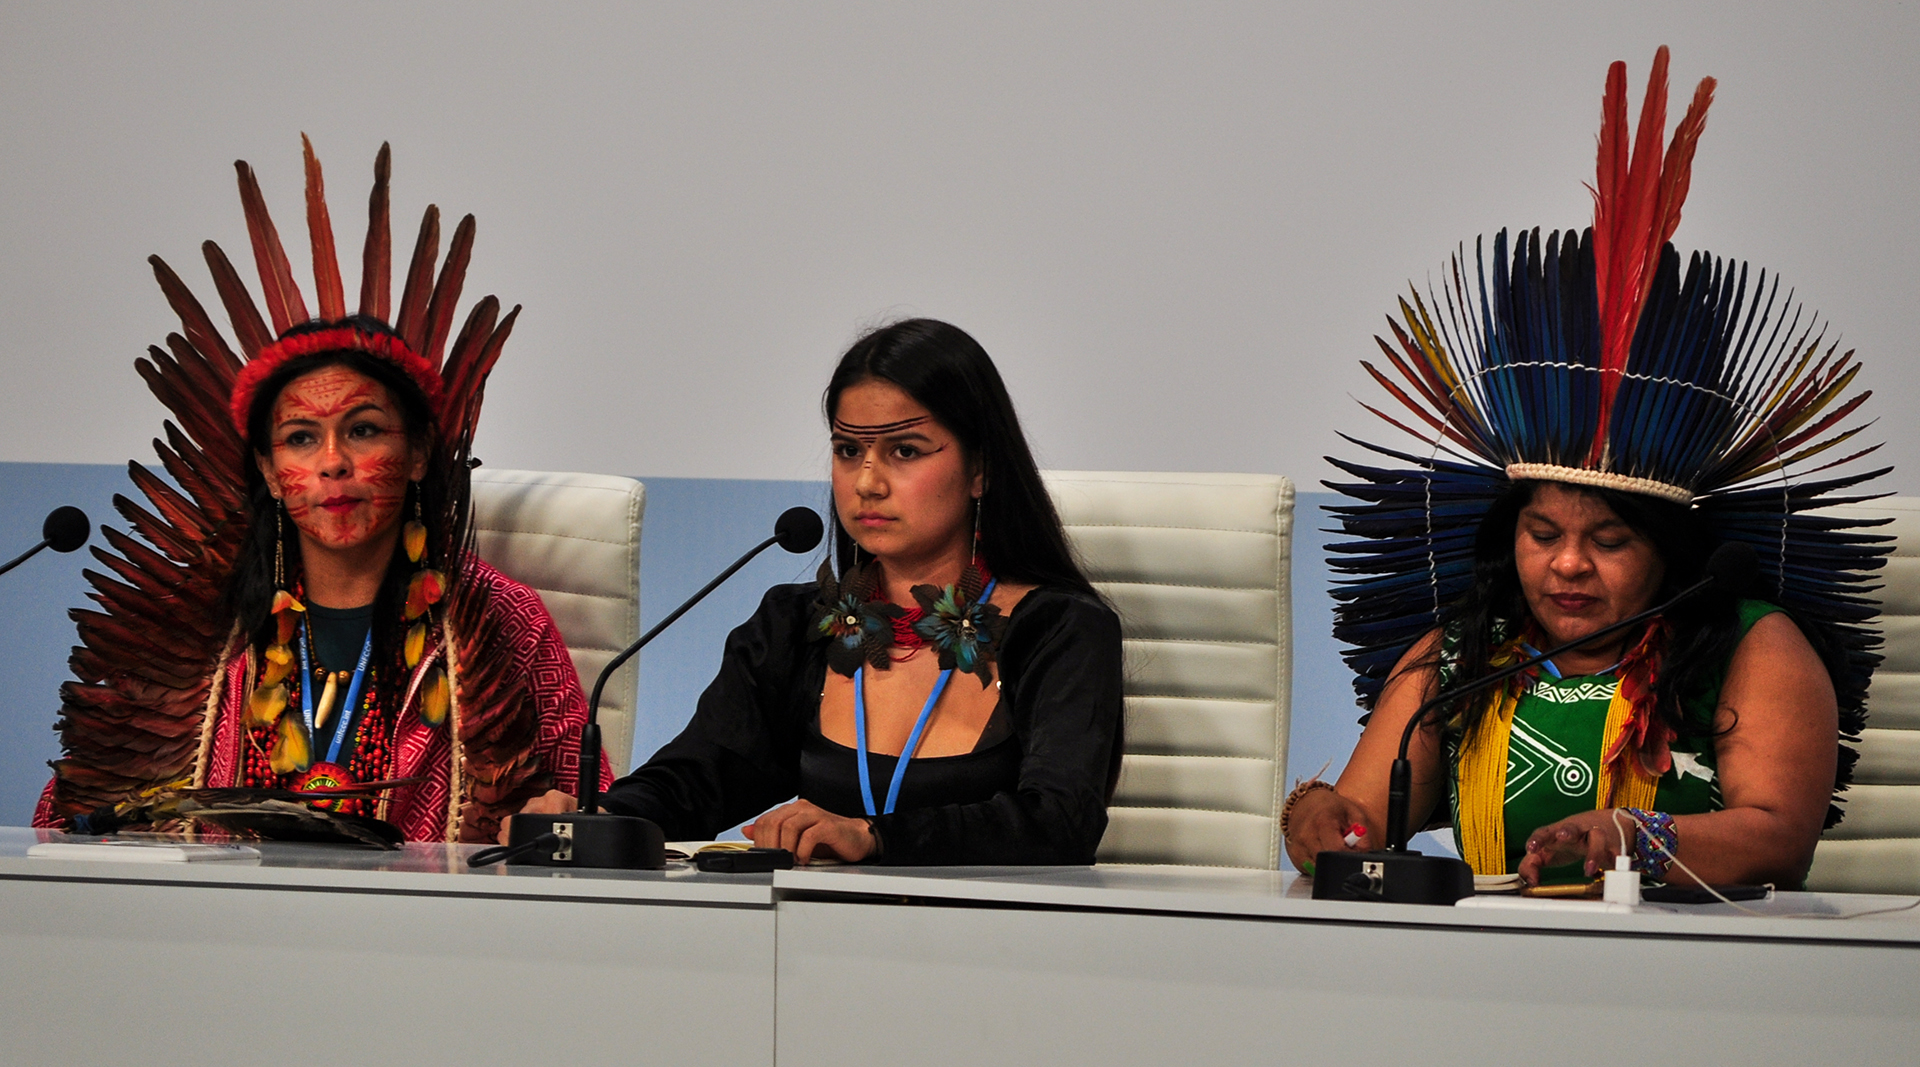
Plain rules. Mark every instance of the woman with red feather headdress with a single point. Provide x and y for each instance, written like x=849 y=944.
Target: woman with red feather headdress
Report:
x=305 y=620
x=1608 y=419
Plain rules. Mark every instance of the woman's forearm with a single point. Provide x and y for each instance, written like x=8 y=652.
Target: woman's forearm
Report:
x=1740 y=846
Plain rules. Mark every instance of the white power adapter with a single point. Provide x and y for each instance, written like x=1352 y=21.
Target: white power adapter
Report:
x=1622 y=883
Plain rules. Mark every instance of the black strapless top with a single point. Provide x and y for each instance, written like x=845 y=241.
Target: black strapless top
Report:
x=1034 y=794
x=830 y=775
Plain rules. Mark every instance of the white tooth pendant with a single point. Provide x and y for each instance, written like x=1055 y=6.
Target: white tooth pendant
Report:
x=324 y=709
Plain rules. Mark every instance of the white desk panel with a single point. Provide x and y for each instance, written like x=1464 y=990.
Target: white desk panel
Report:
x=1143 y=965
x=365 y=957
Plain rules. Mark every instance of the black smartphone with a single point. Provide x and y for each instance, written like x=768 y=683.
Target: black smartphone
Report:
x=1693 y=894
x=749 y=861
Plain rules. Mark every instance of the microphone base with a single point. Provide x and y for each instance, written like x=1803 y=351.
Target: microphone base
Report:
x=1391 y=877
x=598 y=840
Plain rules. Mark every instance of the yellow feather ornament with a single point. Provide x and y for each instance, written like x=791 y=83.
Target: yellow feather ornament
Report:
x=266 y=704
x=290 y=751
x=416 y=643
x=435 y=698
x=278 y=667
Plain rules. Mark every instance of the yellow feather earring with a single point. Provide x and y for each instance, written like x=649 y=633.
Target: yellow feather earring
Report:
x=268 y=702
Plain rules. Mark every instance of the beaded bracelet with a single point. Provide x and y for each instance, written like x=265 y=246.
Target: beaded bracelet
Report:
x=1286 y=809
x=1655 y=842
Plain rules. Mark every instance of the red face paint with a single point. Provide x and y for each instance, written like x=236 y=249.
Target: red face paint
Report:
x=340 y=458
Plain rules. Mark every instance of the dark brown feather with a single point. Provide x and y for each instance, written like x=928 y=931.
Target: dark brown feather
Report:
x=466 y=351
x=164 y=377
x=248 y=327
x=326 y=264
x=446 y=293
x=200 y=396
x=179 y=548
x=285 y=307
x=412 y=323
x=194 y=320
x=376 y=259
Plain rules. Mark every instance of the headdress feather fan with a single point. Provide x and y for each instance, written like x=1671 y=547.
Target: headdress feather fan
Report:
x=132 y=717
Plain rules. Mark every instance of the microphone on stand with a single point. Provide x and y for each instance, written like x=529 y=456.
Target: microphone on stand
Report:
x=1399 y=875
x=66 y=529
x=589 y=837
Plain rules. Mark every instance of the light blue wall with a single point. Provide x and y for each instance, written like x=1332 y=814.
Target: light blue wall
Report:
x=694 y=527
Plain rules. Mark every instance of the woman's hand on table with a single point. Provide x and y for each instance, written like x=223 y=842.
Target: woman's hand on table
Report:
x=804 y=828
x=1591 y=835
x=552 y=802
x=1320 y=822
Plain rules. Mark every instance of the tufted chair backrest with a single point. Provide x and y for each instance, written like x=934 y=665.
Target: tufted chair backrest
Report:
x=1198 y=566
x=1876 y=848
x=575 y=538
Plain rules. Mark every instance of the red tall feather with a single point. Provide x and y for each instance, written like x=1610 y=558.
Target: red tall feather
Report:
x=1636 y=208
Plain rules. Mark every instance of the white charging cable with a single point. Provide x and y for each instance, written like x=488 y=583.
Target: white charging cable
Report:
x=1621 y=862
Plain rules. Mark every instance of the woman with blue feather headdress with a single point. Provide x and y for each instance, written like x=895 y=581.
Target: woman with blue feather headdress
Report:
x=1596 y=419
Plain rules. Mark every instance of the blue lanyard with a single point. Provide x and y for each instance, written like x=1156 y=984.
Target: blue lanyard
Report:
x=913 y=739
x=346 y=706
x=1555 y=671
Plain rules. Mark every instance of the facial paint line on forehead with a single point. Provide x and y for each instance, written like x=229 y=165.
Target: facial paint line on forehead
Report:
x=867 y=435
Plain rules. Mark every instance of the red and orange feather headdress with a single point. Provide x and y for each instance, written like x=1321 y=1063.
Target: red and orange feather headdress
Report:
x=144 y=687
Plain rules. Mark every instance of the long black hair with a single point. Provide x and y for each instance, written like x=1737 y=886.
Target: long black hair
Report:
x=947 y=372
x=250 y=593
x=1705 y=629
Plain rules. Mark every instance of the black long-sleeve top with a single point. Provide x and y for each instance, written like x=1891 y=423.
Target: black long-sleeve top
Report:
x=1060 y=678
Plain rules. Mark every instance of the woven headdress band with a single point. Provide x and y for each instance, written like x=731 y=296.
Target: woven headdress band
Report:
x=343 y=338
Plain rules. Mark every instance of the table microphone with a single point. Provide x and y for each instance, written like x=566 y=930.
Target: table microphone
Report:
x=592 y=838
x=1399 y=875
x=66 y=529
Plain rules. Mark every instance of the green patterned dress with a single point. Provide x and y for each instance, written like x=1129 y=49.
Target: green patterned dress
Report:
x=1554 y=750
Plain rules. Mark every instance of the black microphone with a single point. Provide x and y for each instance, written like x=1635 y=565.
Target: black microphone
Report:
x=1397 y=874
x=66 y=529
x=588 y=837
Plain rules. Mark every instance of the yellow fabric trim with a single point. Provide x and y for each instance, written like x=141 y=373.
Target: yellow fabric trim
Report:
x=1636 y=788
x=1482 y=787
x=1481 y=778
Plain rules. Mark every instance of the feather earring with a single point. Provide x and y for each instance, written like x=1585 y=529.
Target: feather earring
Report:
x=426 y=588
x=268 y=702
x=976 y=526
x=415 y=538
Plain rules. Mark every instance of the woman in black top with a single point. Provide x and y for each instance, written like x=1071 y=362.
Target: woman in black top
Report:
x=956 y=627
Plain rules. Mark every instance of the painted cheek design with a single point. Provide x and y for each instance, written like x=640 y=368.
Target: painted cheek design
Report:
x=293 y=481
x=386 y=472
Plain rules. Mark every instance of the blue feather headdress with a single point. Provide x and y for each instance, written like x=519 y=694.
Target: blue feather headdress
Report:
x=1595 y=359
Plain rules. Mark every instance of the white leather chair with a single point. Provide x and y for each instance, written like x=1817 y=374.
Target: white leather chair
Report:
x=575 y=538
x=1198 y=566
x=1876 y=848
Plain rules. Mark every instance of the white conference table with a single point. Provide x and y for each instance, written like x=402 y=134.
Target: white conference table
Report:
x=1113 y=965
x=409 y=958
x=340 y=955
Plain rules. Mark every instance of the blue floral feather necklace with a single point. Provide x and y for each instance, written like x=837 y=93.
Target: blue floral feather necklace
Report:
x=959 y=622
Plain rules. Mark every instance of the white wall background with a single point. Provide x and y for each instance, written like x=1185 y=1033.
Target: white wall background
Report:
x=1176 y=226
